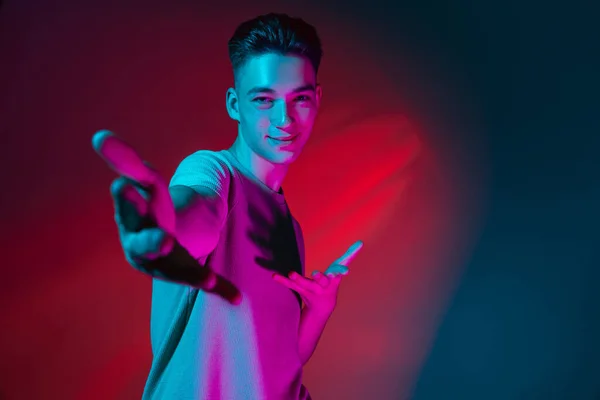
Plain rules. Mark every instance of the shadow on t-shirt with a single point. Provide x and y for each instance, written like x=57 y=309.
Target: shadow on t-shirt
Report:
x=275 y=237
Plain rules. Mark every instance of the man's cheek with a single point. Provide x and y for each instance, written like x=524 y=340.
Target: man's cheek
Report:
x=308 y=116
x=307 y=124
x=263 y=122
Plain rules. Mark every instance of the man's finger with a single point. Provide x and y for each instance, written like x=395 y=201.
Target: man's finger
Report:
x=147 y=245
x=130 y=206
x=288 y=283
x=161 y=206
x=337 y=269
x=350 y=254
x=305 y=283
x=122 y=158
x=320 y=279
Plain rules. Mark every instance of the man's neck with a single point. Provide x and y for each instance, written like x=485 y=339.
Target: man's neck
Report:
x=272 y=175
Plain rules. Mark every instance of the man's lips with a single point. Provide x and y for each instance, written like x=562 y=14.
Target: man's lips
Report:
x=283 y=138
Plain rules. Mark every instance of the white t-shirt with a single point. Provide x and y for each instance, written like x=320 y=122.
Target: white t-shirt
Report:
x=206 y=348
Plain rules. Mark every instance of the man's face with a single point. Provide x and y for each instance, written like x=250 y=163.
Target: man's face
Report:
x=277 y=101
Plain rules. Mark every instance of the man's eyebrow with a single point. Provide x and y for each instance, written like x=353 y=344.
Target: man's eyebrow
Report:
x=305 y=88
x=264 y=89
x=260 y=89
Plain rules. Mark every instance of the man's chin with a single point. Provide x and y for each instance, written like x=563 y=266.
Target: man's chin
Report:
x=283 y=157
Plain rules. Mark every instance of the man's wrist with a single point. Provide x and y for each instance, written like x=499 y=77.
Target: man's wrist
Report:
x=317 y=313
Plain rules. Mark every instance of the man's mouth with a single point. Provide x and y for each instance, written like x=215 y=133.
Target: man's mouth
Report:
x=282 y=139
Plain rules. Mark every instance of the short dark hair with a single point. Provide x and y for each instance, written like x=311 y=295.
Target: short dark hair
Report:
x=274 y=33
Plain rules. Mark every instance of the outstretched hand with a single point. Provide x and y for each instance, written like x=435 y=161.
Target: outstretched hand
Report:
x=145 y=217
x=319 y=293
x=141 y=199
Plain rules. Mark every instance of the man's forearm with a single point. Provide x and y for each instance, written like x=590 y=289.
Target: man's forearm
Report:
x=176 y=266
x=312 y=325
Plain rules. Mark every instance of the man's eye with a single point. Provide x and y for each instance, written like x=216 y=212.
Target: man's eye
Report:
x=262 y=100
x=303 y=98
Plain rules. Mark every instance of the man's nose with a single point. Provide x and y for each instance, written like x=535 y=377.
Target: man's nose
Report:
x=281 y=117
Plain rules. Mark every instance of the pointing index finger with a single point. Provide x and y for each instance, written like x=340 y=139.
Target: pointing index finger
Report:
x=122 y=158
x=350 y=254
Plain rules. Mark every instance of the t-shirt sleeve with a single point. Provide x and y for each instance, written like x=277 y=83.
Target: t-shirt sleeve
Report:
x=200 y=222
x=204 y=169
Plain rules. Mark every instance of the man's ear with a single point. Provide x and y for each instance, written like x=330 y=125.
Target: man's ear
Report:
x=232 y=104
x=318 y=94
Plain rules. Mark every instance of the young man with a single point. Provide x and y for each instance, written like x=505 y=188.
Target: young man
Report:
x=233 y=316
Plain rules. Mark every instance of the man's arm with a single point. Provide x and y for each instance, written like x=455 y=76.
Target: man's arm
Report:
x=157 y=224
x=319 y=295
x=312 y=325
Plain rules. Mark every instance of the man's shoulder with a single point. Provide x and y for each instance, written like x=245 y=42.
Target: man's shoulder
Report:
x=206 y=160
x=203 y=165
x=203 y=155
